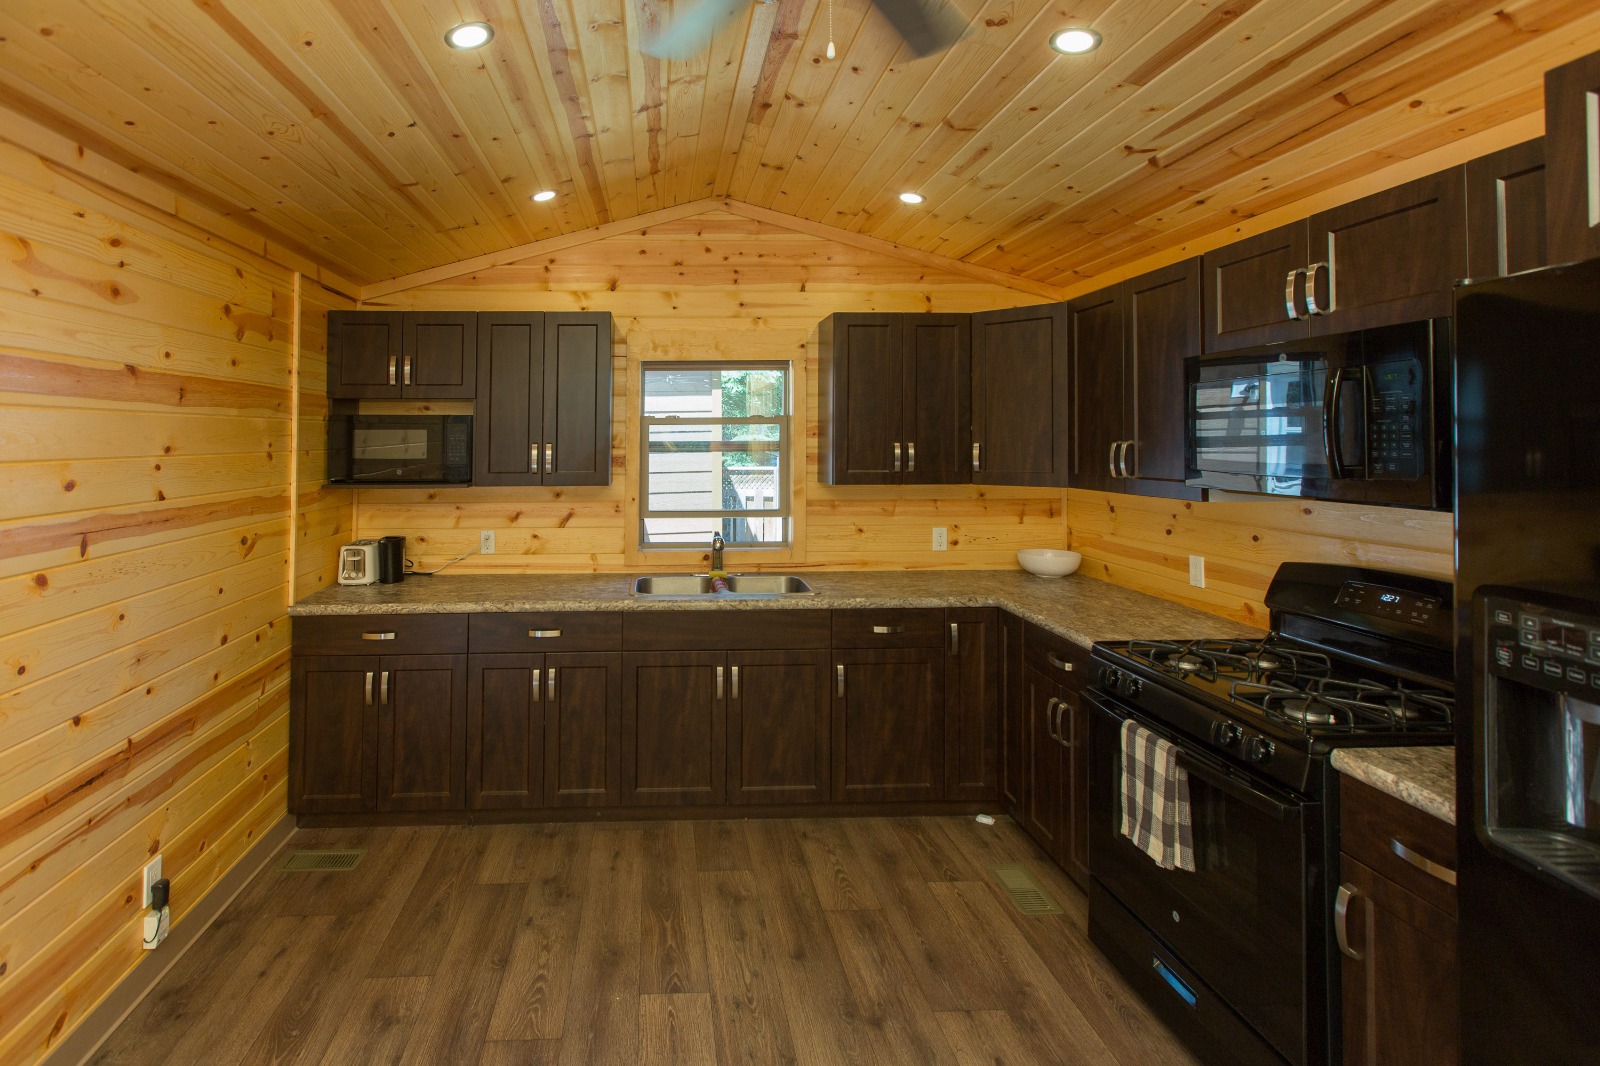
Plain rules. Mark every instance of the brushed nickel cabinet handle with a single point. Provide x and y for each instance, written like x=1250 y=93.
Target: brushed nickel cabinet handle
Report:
x=549 y=458
x=1050 y=718
x=1061 y=664
x=1288 y=291
x=536 y=683
x=369 y=688
x=383 y=687
x=377 y=636
x=1341 y=920
x=543 y=633
x=1311 y=288
x=720 y=693
x=392 y=362
x=839 y=680
x=735 y=672
x=977 y=450
x=407 y=375
x=1422 y=862
x=1111 y=459
x=533 y=458
x=896 y=457
x=1128 y=448
x=911 y=457
x=955 y=638
x=888 y=629
x=550 y=687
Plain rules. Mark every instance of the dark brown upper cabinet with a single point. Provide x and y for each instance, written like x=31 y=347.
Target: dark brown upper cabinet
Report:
x=1571 y=135
x=1390 y=257
x=544 y=411
x=393 y=355
x=1020 y=396
x=896 y=406
x=1128 y=347
x=1506 y=211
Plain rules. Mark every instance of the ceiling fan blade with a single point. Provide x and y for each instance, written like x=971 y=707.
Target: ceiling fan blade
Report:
x=692 y=31
x=928 y=26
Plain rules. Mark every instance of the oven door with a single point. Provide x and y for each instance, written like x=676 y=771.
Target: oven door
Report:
x=1242 y=921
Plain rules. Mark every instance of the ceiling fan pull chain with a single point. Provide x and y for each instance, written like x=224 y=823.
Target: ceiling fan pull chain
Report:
x=831 y=52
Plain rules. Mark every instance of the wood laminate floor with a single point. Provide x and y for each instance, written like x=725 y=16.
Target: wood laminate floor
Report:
x=863 y=941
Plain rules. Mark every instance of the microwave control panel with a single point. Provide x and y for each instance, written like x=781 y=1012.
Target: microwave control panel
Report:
x=1396 y=436
x=1543 y=647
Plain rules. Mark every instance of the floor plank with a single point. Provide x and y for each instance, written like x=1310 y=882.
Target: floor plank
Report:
x=602 y=1017
x=379 y=1021
x=532 y=1002
x=987 y=1038
x=841 y=881
x=676 y=1030
x=672 y=954
x=751 y=1016
x=720 y=845
x=468 y=977
x=900 y=1025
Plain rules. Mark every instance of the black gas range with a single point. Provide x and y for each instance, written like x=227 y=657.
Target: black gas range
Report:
x=1237 y=955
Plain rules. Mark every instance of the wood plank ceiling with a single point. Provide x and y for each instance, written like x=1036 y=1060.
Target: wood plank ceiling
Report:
x=347 y=131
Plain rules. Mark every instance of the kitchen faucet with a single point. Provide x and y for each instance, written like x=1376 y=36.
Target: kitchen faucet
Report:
x=716 y=552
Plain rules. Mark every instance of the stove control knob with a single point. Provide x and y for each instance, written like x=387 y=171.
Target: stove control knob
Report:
x=1133 y=686
x=1258 y=749
x=1108 y=677
x=1225 y=734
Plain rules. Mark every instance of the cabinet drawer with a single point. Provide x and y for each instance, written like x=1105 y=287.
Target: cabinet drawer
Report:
x=724 y=630
x=550 y=631
x=899 y=627
x=1375 y=826
x=1052 y=656
x=380 y=634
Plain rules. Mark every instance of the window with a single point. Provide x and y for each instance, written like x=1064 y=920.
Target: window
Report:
x=716 y=447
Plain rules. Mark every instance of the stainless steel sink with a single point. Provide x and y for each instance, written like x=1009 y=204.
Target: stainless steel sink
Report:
x=744 y=586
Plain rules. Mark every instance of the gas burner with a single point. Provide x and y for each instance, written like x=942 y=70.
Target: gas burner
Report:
x=1187 y=663
x=1267 y=659
x=1305 y=710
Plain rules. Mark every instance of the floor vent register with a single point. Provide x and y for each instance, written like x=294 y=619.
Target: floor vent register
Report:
x=322 y=861
x=1026 y=893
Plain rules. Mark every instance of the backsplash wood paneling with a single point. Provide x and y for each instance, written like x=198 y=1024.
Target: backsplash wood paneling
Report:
x=324 y=515
x=144 y=572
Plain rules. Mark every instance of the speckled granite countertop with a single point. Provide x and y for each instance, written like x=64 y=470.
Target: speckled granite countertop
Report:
x=1076 y=607
x=1422 y=777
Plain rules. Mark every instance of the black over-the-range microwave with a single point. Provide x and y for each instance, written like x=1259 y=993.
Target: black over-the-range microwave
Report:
x=1358 y=417
x=400 y=449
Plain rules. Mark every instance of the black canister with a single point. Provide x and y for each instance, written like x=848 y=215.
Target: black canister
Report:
x=391 y=560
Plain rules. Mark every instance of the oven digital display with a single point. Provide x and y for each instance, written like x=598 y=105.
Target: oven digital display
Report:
x=1395 y=604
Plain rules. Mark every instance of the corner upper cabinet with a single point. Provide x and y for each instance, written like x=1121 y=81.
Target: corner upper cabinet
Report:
x=1020 y=396
x=1251 y=289
x=394 y=355
x=1506 y=228
x=1572 y=149
x=544 y=412
x=896 y=403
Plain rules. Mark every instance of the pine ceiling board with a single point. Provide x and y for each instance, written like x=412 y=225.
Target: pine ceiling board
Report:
x=562 y=69
x=597 y=40
x=647 y=82
x=136 y=130
x=777 y=65
x=765 y=24
x=681 y=110
x=721 y=97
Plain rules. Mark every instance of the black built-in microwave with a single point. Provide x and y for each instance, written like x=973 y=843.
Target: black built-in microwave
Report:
x=400 y=449
x=1358 y=417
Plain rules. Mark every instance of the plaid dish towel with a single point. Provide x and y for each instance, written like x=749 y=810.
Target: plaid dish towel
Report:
x=1155 y=799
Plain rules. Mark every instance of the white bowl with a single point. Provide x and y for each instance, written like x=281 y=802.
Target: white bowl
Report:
x=1049 y=562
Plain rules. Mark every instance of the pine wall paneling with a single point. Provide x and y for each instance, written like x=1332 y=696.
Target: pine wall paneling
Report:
x=145 y=428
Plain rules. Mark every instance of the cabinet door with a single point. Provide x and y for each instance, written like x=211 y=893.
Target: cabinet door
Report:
x=364 y=355
x=1013 y=700
x=1042 y=796
x=971 y=703
x=674 y=709
x=1098 y=387
x=577 y=398
x=583 y=729
x=440 y=355
x=938 y=399
x=1400 y=996
x=422 y=758
x=1163 y=329
x=1506 y=211
x=507 y=437
x=777 y=727
x=1072 y=732
x=862 y=362
x=1572 y=147
x=887 y=725
x=335 y=749
x=1020 y=396
x=1393 y=256
x=505 y=732
x=1251 y=291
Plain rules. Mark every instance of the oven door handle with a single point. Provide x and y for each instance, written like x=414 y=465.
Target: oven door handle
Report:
x=1237 y=789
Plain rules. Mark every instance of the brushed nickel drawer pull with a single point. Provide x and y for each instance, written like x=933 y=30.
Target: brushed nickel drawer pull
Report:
x=383 y=687
x=1058 y=663
x=544 y=632
x=720 y=693
x=377 y=636
x=839 y=678
x=735 y=672
x=550 y=691
x=888 y=629
x=1422 y=862
x=1341 y=920
x=369 y=688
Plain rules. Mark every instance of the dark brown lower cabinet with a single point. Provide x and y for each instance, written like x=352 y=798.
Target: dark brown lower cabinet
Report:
x=1013 y=695
x=542 y=730
x=888 y=725
x=1055 y=733
x=777 y=727
x=674 y=717
x=1041 y=794
x=971 y=699
x=335 y=733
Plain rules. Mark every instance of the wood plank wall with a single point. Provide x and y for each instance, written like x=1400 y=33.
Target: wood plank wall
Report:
x=715 y=286
x=145 y=526
x=324 y=515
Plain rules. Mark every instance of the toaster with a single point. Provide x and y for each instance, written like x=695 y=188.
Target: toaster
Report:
x=358 y=563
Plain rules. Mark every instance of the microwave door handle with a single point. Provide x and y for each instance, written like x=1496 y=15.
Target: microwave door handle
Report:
x=1330 y=423
x=1237 y=789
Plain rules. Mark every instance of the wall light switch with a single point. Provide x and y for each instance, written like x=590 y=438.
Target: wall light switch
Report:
x=1197 y=571
x=486 y=542
x=941 y=539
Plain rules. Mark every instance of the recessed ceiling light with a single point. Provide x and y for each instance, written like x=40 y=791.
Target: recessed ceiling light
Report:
x=911 y=197
x=1075 y=41
x=544 y=196
x=469 y=35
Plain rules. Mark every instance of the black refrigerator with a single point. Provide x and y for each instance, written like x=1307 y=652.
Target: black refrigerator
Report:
x=1528 y=666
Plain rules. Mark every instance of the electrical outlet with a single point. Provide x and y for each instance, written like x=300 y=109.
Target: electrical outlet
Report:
x=941 y=539
x=1197 y=571
x=485 y=542
x=152 y=874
